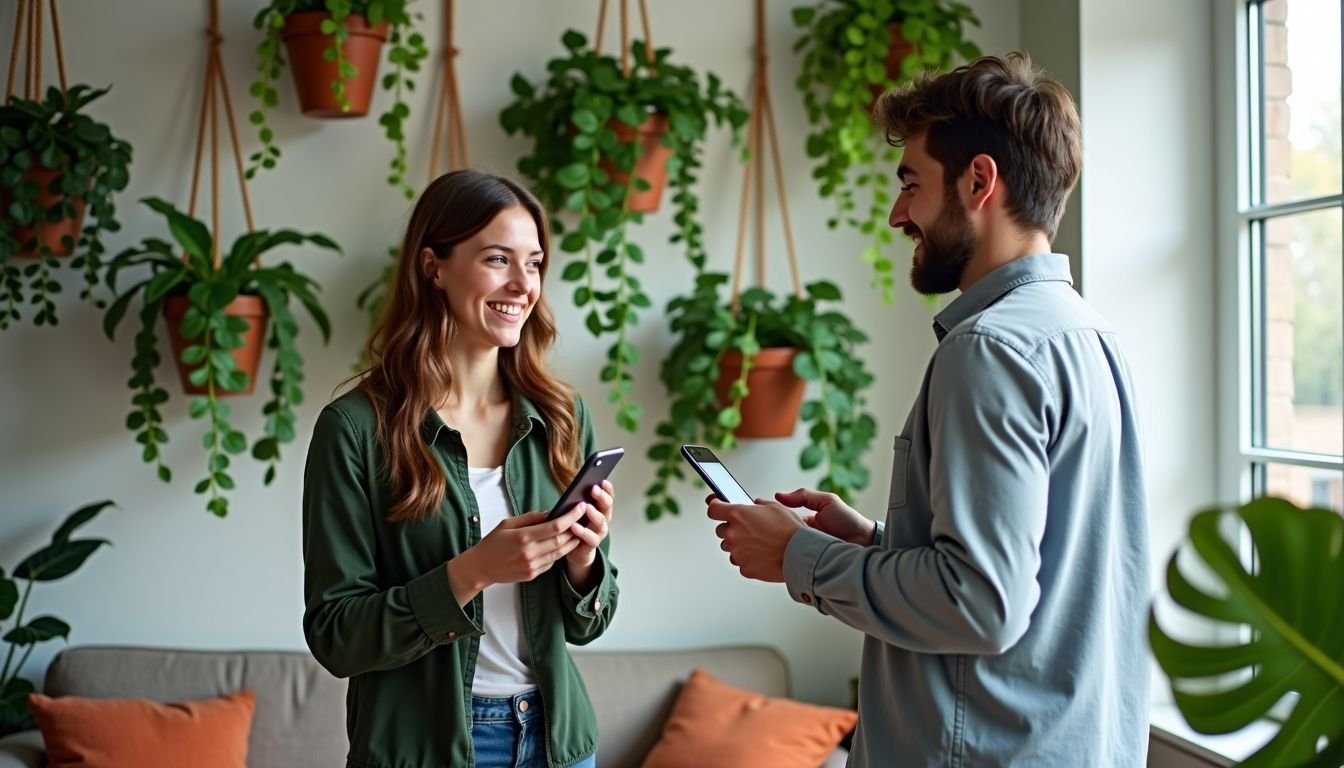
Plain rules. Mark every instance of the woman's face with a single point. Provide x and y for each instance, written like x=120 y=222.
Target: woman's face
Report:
x=492 y=280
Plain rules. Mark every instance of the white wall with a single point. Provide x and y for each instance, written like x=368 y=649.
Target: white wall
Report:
x=178 y=576
x=1148 y=237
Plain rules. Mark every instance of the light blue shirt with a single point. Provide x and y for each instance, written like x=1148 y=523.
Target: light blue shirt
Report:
x=1005 y=606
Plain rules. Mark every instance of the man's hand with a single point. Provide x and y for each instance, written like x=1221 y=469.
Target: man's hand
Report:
x=832 y=516
x=754 y=535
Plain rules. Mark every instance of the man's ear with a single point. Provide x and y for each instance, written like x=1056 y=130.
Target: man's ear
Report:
x=429 y=263
x=984 y=179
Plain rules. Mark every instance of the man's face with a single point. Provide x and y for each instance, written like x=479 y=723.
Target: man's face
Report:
x=931 y=213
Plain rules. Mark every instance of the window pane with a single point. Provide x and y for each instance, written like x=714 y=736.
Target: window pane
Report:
x=1300 y=113
x=1304 y=486
x=1302 y=395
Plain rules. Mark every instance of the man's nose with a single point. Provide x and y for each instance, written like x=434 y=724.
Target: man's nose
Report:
x=900 y=213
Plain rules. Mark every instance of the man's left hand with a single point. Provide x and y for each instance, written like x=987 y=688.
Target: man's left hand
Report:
x=754 y=535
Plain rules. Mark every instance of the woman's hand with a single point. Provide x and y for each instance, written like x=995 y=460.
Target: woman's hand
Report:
x=597 y=517
x=519 y=549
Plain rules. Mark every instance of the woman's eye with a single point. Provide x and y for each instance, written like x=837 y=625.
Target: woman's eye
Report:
x=534 y=265
x=498 y=260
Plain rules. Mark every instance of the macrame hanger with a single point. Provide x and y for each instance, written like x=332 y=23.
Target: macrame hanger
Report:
x=761 y=125
x=625 y=33
x=28 y=35
x=450 y=105
x=215 y=78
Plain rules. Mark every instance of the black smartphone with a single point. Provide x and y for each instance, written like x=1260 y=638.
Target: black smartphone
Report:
x=596 y=469
x=715 y=475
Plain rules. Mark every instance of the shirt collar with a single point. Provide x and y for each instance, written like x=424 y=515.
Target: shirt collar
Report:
x=989 y=289
x=524 y=413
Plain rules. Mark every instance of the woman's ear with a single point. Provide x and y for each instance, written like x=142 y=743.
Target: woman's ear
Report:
x=429 y=266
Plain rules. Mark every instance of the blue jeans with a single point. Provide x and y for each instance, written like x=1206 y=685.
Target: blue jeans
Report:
x=511 y=732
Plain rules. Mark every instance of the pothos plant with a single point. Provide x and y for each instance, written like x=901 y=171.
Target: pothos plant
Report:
x=213 y=335
x=406 y=52
x=827 y=341
x=846 y=46
x=62 y=557
x=571 y=119
x=89 y=165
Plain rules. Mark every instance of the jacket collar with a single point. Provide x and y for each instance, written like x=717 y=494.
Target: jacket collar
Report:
x=989 y=289
x=525 y=413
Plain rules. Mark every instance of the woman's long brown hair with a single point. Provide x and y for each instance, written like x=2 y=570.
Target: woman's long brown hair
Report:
x=410 y=369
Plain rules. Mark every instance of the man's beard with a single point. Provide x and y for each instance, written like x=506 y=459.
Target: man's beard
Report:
x=948 y=246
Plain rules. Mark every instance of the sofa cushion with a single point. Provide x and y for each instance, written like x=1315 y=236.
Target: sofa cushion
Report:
x=113 y=733
x=714 y=723
x=300 y=707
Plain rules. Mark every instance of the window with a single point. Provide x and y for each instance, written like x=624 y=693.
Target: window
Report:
x=1289 y=250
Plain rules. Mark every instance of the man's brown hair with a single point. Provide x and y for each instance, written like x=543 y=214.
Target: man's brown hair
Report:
x=999 y=107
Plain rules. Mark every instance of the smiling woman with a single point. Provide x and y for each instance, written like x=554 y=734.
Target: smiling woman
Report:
x=419 y=547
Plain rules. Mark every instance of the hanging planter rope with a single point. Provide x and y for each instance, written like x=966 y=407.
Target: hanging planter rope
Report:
x=448 y=116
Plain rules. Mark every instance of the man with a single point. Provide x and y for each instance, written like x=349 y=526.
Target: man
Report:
x=1004 y=600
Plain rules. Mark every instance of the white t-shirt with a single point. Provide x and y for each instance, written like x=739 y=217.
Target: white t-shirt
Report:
x=503 y=663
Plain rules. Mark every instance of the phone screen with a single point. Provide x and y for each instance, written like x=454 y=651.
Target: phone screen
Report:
x=716 y=475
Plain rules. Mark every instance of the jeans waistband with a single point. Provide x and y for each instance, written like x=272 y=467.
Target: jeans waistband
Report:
x=520 y=708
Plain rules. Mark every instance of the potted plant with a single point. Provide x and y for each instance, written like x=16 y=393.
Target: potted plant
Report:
x=1284 y=614
x=62 y=557
x=56 y=165
x=212 y=308
x=582 y=122
x=712 y=398
x=852 y=50
x=334 y=47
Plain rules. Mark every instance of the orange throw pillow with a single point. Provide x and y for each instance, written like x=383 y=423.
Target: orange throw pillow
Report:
x=715 y=724
x=115 y=733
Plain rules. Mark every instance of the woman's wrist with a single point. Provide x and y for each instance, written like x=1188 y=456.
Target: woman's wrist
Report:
x=463 y=578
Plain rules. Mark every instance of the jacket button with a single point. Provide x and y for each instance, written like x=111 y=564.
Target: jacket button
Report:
x=597 y=605
x=475 y=519
x=451 y=635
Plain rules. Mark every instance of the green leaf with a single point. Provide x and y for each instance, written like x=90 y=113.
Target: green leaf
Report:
x=1294 y=645
x=56 y=561
x=78 y=518
x=38 y=630
x=573 y=176
x=9 y=596
x=811 y=456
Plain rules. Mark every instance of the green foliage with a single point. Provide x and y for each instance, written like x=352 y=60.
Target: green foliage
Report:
x=571 y=119
x=92 y=165
x=210 y=289
x=844 y=45
x=1288 y=615
x=373 y=299
x=406 y=52
x=62 y=557
x=828 y=341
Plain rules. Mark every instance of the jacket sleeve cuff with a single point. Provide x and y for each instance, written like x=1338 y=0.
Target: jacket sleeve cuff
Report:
x=435 y=607
x=800 y=564
x=588 y=605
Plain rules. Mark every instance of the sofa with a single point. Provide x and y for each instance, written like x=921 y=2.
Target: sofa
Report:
x=300 y=708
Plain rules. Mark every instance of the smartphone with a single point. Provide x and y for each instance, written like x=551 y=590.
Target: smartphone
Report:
x=596 y=469
x=717 y=476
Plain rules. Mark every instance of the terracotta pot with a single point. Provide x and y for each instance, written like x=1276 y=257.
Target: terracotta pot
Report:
x=313 y=75
x=247 y=356
x=50 y=233
x=774 y=391
x=651 y=165
x=897 y=50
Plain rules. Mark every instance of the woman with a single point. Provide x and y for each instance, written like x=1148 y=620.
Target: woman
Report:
x=423 y=584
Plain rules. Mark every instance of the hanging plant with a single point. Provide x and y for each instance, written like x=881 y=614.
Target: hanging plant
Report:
x=707 y=406
x=583 y=121
x=211 y=298
x=56 y=165
x=334 y=47
x=852 y=51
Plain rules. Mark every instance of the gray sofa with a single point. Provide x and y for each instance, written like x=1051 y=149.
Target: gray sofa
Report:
x=300 y=715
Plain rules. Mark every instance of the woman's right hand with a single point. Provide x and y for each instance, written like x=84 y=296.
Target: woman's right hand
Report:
x=521 y=548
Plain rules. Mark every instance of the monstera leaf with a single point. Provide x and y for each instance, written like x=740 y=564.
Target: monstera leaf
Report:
x=1293 y=605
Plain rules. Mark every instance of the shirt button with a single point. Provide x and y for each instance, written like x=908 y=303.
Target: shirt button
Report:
x=451 y=635
x=475 y=519
x=807 y=599
x=522 y=706
x=597 y=605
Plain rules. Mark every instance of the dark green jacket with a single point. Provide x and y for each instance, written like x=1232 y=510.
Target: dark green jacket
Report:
x=379 y=609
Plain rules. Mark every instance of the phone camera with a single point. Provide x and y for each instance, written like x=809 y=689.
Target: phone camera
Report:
x=598 y=463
